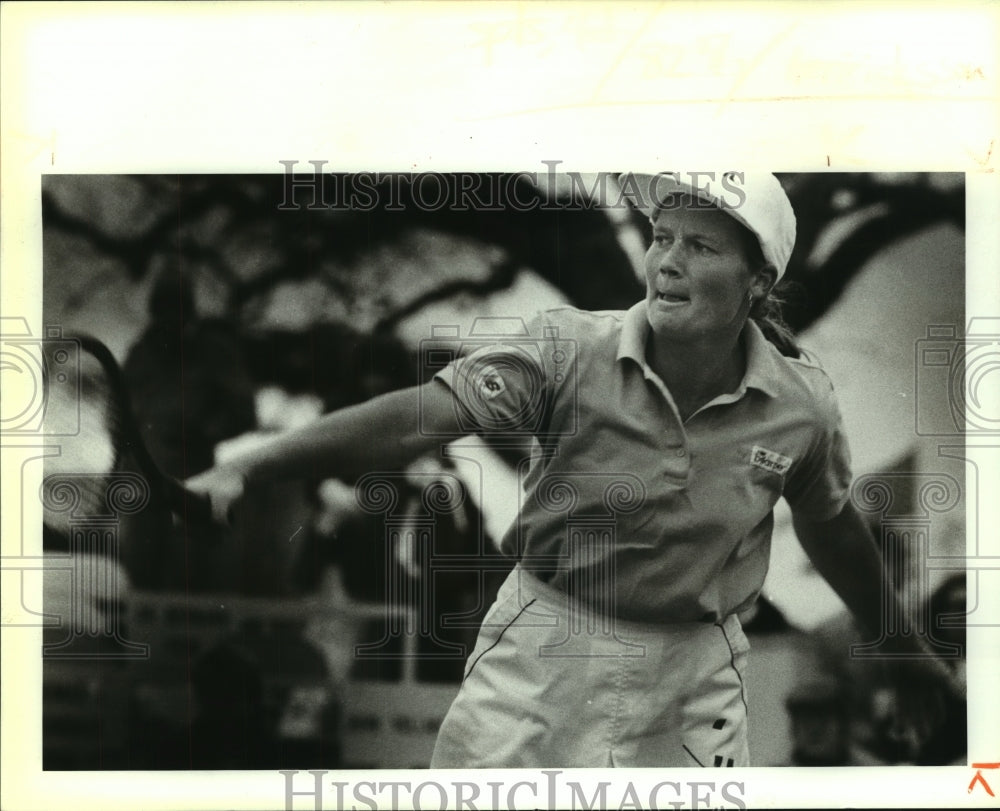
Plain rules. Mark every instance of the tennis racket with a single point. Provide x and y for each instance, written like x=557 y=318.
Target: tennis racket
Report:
x=91 y=414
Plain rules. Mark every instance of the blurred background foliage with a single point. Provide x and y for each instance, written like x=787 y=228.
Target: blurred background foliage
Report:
x=307 y=285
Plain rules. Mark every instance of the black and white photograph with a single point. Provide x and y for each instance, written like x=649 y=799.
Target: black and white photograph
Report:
x=330 y=619
x=550 y=481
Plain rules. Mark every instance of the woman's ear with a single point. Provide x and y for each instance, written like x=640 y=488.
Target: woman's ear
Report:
x=763 y=280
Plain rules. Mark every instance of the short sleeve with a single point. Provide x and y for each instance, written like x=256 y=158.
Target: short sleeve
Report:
x=500 y=386
x=820 y=487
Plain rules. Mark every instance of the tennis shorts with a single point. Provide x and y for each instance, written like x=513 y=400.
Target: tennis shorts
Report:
x=550 y=685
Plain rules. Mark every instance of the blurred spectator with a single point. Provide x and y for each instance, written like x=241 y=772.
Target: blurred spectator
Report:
x=441 y=605
x=190 y=388
x=457 y=599
x=345 y=557
x=877 y=688
x=941 y=739
x=821 y=711
x=188 y=379
x=272 y=527
x=819 y=723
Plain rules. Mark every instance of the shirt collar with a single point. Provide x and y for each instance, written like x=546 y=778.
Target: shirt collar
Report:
x=635 y=328
x=762 y=357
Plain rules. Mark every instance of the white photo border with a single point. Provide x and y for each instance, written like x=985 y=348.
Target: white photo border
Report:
x=237 y=87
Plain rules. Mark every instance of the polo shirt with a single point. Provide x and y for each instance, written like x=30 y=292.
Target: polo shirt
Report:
x=624 y=505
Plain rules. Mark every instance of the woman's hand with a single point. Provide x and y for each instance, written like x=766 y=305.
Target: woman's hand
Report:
x=224 y=486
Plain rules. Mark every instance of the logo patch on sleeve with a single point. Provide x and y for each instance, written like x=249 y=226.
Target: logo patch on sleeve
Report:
x=771 y=461
x=489 y=383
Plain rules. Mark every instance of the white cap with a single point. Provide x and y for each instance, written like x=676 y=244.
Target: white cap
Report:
x=755 y=200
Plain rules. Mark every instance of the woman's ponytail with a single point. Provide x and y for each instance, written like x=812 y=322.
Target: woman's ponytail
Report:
x=766 y=312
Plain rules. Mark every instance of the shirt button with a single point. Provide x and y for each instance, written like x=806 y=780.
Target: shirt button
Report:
x=680 y=451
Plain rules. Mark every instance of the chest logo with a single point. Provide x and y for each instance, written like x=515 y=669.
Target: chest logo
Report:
x=770 y=461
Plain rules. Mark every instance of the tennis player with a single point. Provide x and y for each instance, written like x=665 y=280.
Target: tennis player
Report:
x=667 y=433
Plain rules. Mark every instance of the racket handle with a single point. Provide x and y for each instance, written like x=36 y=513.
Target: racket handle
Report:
x=190 y=506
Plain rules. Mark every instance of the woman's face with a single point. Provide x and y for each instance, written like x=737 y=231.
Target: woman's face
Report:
x=697 y=275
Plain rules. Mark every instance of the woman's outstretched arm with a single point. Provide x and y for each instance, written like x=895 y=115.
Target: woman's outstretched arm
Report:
x=386 y=432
